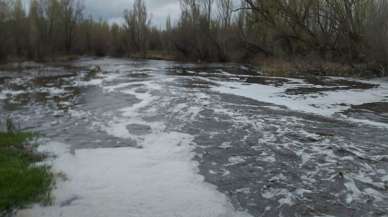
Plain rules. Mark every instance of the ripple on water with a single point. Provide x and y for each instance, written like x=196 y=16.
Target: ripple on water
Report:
x=128 y=134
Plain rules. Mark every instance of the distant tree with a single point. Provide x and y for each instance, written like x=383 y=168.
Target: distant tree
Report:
x=52 y=12
x=167 y=36
x=225 y=10
x=72 y=13
x=38 y=30
x=4 y=24
x=137 y=22
x=101 y=38
x=207 y=6
x=118 y=40
x=19 y=28
x=207 y=30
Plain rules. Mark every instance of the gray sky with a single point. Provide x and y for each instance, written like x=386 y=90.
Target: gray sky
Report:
x=112 y=10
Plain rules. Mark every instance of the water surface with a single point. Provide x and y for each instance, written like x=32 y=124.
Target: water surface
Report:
x=156 y=138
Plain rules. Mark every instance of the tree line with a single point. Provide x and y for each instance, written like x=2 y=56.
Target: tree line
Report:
x=207 y=30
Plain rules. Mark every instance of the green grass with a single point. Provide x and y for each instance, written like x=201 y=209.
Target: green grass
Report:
x=14 y=139
x=21 y=181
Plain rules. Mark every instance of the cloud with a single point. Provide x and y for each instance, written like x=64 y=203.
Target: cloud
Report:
x=112 y=10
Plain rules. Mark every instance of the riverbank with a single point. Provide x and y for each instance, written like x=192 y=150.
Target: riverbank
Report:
x=22 y=180
x=295 y=67
x=271 y=66
x=288 y=66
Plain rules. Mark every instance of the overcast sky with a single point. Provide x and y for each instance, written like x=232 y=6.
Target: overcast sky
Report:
x=112 y=10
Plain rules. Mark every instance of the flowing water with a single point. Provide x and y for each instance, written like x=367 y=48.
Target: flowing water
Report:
x=162 y=139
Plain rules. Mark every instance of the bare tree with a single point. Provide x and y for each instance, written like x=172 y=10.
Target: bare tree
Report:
x=4 y=15
x=19 y=28
x=72 y=13
x=377 y=34
x=4 y=9
x=207 y=7
x=225 y=10
x=338 y=30
x=38 y=30
x=137 y=23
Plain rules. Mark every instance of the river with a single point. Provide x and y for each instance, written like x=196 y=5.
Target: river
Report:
x=143 y=138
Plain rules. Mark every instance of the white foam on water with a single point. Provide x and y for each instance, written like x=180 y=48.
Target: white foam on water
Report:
x=53 y=91
x=113 y=88
x=354 y=193
x=226 y=145
x=93 y=82
x=235 y=160
x=4 y=94
x=98 y=80
x=158 y=180
x=368 y=122
x=327 y=104
x=128 y=115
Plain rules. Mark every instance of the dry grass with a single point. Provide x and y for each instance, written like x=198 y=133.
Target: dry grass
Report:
x=291 y=67
x=154 y=55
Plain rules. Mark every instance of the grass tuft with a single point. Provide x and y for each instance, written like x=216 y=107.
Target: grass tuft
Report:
x=22 y=181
